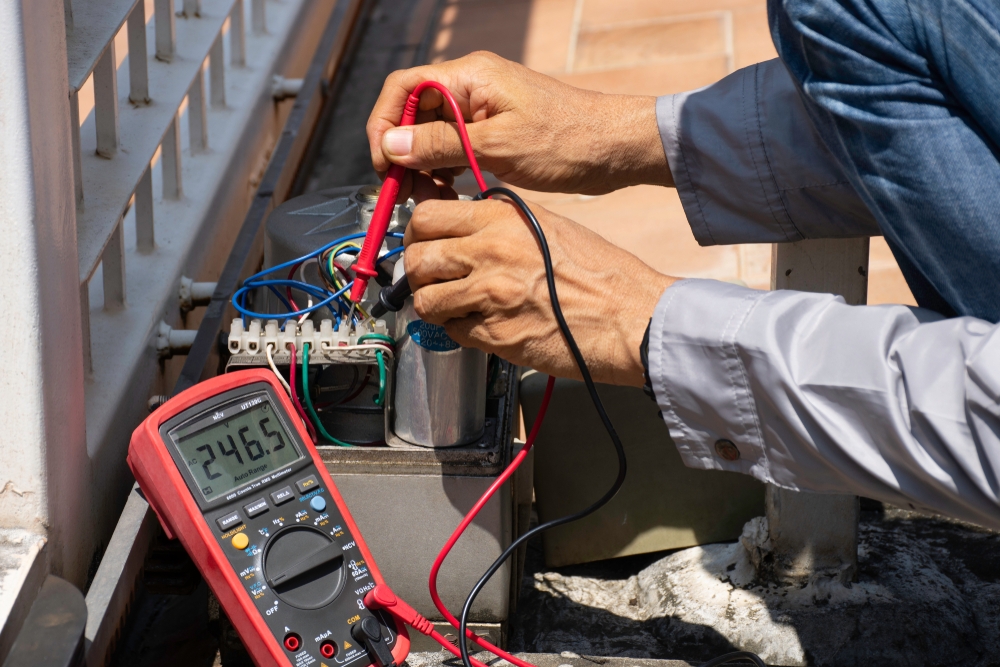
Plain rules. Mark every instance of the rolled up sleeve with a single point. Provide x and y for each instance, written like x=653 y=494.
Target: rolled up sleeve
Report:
x=806 y=392
x=750 y=167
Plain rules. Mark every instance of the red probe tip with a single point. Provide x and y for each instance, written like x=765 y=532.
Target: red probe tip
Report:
x=364 y=268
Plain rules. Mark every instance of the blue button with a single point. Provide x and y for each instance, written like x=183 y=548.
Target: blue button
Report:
x=318 y=503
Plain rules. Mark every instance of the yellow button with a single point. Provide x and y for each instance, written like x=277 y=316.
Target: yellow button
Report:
x=240 y=540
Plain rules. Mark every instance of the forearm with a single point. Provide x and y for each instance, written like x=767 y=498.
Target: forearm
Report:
x=888 y=402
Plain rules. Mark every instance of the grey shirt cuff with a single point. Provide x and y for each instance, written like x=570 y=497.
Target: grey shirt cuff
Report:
x=750 y=167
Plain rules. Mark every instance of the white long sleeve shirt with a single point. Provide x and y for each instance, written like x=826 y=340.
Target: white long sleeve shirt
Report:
x=889 y=402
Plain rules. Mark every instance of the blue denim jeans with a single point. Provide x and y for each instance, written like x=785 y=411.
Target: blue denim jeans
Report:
x=905 y=94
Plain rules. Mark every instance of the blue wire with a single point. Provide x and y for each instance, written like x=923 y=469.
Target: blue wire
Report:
x=280 y=316
x=253 y=282
x=315 y=253
x=394 y=251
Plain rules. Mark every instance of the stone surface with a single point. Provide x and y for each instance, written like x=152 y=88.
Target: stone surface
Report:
x=928 y=593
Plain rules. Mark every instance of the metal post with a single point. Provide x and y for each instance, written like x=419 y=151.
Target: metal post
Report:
x=88 y=358
x=817 y=533
x=237 y=36
x=258 y=16
x=74 y=122
x=106 y=103
x=138 y=65
x=68 y=15
x=145 y=239
x=166 y=30
x=197 y=114
x=217 y=73
x=113 y=264
x=170 y=154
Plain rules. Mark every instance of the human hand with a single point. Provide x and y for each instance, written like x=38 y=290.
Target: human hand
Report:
x=526 y=128
x=475 y=268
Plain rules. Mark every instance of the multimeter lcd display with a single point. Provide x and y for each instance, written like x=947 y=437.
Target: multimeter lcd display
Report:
x=233 y=445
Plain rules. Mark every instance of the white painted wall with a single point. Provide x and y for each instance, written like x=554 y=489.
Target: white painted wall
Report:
x=44 y=468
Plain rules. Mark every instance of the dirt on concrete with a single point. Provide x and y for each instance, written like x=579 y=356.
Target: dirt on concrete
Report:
x=927 y=593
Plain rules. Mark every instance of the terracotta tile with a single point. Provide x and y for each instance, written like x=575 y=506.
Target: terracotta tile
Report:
x=609 y=12
x=649 y=222
x=885 y=281
x=888 y=286
x=646 y=43
x=546 y=43
x=474 y=25
x=659 y=79
x=755 y=265
x=751 y=37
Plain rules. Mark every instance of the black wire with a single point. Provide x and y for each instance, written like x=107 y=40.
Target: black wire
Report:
x=598 y=405
x=591 y=389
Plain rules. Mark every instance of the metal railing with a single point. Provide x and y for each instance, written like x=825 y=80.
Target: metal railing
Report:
x=165 y=166
x=113 y=155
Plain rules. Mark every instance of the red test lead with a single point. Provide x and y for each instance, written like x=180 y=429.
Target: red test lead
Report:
x=364 y=268
x=382 y=597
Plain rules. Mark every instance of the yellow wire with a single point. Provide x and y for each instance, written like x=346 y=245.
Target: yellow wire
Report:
x=333 y=270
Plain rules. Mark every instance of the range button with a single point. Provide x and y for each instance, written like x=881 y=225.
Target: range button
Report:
x=228 y=521
x=282 y=495
x=256 y=508
x=307 y=483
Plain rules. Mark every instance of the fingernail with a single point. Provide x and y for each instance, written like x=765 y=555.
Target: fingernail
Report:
x=398 y=142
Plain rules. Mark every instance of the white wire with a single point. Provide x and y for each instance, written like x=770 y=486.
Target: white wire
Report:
x=302 y=278
x=270 y=362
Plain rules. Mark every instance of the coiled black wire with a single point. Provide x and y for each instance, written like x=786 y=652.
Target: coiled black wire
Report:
x=550 y=279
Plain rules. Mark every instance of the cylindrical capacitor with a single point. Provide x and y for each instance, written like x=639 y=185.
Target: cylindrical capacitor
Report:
x=439 y=387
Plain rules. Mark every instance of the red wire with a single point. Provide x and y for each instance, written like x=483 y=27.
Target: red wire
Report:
x=364 y=268
x=497 y=483
x=459 y=122
x=295 y=396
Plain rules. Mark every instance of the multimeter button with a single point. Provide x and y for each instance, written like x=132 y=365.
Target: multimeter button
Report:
x=229 y=521
x=282 y=495
x=318 y=503
x=256 y=508
x=307 y=483
x=241 y=541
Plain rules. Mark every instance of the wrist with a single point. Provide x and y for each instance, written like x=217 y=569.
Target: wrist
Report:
x=632 y=321
x=631 y=151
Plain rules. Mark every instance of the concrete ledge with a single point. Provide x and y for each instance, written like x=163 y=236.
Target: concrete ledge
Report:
x=23 y=566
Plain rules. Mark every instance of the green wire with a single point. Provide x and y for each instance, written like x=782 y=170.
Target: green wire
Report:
x=380 y=399
x=382 y=338
x=308 y=400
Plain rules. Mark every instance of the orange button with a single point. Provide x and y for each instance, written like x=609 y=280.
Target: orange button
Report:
x=241 y=541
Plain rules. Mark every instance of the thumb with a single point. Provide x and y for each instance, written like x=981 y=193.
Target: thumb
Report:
x=427 y=146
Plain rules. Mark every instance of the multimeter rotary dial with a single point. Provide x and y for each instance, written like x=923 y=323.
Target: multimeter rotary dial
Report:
x=304 y=567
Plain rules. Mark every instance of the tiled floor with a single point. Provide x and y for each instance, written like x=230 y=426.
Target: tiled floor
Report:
x=642 y=47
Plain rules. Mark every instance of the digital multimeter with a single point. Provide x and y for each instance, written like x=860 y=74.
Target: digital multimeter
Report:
x=230 y=471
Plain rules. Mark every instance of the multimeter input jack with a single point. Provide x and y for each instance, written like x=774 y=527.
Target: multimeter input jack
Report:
x=292 y=641
x=327 y=649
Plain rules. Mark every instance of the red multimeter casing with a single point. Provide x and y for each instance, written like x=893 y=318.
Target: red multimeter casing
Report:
x=304 y=568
